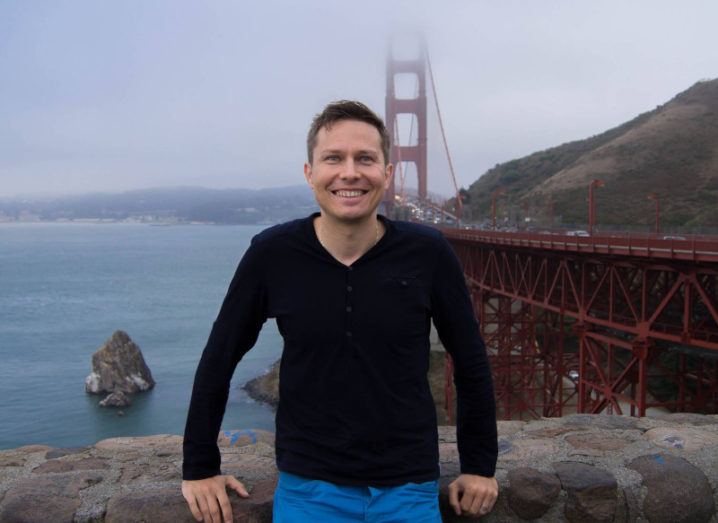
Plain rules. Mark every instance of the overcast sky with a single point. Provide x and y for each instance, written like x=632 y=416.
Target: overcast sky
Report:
x=99 y=95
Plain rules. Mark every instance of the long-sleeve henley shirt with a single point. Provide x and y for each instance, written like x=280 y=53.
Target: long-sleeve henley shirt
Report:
x=354 y=399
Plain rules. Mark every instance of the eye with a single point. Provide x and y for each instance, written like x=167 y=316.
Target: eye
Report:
x=331 y=158
x=366 y=159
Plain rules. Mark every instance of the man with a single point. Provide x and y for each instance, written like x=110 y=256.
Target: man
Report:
x=353 y=294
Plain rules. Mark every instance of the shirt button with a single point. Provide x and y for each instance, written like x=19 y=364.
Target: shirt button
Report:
x=349 y=288
x=349 y=334
x=349 y=308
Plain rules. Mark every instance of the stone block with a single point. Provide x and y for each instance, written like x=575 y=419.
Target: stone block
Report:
x=46 y=498
x=167 y=505
x=592 y=492
x=531 y=492
x=677 y=491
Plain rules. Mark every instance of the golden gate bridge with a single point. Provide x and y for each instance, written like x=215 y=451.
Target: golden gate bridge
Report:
x=592 y=323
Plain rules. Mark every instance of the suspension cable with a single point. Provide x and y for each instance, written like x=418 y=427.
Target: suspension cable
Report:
x=443 y=136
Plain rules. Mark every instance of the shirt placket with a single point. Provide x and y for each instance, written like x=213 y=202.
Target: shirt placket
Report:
x=349 y=304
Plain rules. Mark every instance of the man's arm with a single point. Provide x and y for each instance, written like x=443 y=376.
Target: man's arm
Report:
x=476 y=435
x=233 y=333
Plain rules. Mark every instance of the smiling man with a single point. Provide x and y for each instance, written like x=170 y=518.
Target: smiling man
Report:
x=353 y=294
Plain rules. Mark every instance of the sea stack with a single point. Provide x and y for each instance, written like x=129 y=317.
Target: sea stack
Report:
x=118 y=366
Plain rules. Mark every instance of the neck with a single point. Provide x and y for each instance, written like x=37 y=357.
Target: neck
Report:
x=348 y=241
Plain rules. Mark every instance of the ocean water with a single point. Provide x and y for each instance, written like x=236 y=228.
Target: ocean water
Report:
x=65 y=288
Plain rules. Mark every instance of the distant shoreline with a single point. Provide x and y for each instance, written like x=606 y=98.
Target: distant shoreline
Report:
x=101 y=221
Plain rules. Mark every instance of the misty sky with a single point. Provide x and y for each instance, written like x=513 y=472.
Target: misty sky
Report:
x=106 y=96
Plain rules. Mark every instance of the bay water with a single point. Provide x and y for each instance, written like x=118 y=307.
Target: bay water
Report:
x=66 y=287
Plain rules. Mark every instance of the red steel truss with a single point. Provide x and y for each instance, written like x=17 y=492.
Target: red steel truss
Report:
x=595 y=324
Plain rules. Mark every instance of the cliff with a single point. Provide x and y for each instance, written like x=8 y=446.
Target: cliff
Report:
x=577 y=468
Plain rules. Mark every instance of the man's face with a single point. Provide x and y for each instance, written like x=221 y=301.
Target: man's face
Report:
x=348 y=173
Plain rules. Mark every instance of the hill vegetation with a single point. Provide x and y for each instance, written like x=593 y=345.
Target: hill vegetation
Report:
x=671 y=151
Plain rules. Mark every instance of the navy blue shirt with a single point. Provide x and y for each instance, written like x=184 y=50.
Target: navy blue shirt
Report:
x=354 y=401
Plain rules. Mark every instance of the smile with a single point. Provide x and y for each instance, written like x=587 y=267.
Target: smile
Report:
x=345 y=193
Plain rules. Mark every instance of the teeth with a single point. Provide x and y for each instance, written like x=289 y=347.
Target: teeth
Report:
x=349 y=193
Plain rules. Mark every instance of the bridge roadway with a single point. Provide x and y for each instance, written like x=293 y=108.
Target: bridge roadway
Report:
x=698 y=249
x=604 y=323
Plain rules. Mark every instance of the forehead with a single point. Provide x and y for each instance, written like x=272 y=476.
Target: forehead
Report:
x=348 y=134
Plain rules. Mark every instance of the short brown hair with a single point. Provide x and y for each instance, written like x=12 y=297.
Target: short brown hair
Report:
x=346 y=110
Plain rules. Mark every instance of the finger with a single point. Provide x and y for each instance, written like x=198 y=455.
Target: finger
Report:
x=237 y=486
x=467 y=499
x=478 y=506
x=193 y=507
x=454 y=498
x=213 y=509
x=204 y=508
x=226 y=506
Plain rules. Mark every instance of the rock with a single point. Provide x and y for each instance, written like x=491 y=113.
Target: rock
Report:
x=158 y=505
x=57 y=465
x=526 y=449
x=265 y=388
x=168 y=505
x=597 y=441
x=119 y=366
x=52 y=497
x=54 y=465
x=27 y=449
x=688 y=439
x=684 y=418
x=58 y=453
x=591 y=492
x=12 y=461
x=158 y=443
x=509 y=427
x=250 y=469
x=531 y=493
x=676 y=490
x=116 y=399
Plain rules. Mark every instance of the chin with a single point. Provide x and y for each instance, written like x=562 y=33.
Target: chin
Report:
x=349 y=216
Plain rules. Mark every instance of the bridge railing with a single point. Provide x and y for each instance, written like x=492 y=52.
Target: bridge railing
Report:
x=698 y=249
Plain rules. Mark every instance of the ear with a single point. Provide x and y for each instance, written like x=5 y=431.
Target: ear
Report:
x=389 y=174
x=308 y=174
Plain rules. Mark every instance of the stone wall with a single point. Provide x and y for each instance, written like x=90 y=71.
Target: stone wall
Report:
x=578 y=468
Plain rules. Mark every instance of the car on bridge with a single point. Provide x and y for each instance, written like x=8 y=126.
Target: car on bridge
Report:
x=578 y=233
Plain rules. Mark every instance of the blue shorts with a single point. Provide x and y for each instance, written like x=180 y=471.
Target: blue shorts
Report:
x=300 y=500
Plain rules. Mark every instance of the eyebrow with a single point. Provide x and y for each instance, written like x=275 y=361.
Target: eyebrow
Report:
x=341 y=151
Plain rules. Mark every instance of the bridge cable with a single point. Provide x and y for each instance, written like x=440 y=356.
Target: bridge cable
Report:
x=443 y=136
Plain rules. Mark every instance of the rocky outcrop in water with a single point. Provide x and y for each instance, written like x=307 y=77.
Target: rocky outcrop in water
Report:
x=118 y=366
x=116 y=399
x=265 y=388
x=580 y=468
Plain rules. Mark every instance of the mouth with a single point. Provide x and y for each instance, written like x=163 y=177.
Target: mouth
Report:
x=349 y=193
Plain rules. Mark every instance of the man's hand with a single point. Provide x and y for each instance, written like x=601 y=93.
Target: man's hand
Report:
x=473 y=495
x=207 y=498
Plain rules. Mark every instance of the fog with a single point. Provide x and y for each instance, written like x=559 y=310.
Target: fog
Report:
x=110 y=96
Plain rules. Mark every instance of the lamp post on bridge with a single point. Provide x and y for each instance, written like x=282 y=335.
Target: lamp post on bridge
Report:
x=656 y=200
x=592 y=204
x=497 y=192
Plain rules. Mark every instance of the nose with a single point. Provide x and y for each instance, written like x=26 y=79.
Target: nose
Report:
x=350 y=170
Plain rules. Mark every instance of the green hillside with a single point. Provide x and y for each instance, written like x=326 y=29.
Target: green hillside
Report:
x=671 y=151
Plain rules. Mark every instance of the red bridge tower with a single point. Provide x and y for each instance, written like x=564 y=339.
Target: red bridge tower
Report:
x=406 y=152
